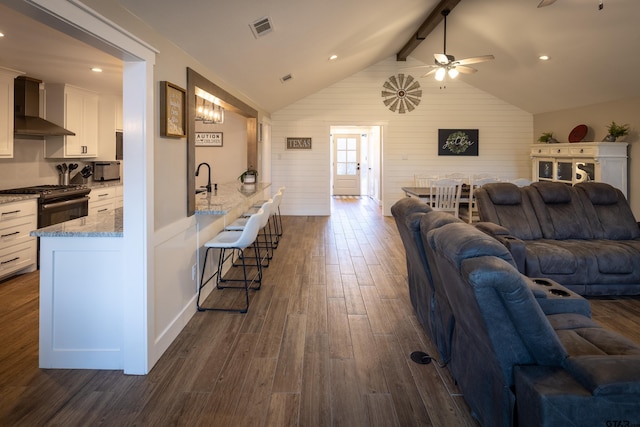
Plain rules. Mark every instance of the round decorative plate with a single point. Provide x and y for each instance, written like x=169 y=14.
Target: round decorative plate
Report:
x=578 y=133
x=401 y=93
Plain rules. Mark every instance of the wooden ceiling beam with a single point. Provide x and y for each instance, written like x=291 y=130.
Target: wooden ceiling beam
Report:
x=432 y=21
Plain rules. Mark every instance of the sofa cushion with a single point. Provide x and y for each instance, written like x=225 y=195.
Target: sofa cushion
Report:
x=504 y=193
x=436 y=219
x=506 y=204
x=553 y=194
x=606 y=375
x=465 y=241
x=608 y=211
x=559 y=211
x=600 y=193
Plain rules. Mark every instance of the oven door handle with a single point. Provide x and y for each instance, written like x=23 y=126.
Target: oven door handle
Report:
x=75 y=201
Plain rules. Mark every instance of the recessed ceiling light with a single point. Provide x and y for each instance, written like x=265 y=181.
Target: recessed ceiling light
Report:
x=332 y=57
x=544 y=57
x=96 y=70
x=1 y=34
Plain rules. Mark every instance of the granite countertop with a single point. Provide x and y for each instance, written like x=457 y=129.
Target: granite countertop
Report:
x=105 y=224
x=10 y=198
x=103 y=184
x=227 y=197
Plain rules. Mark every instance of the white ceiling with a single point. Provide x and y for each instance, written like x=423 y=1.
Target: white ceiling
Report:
x=594 y=53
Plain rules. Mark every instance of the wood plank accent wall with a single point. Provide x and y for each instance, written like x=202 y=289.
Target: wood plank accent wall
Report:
x=409 y=140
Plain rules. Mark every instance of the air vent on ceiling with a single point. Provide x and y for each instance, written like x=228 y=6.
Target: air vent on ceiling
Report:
x=261 y=27
x=286 y=78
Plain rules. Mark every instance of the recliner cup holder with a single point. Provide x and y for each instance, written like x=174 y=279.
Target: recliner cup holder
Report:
x=559 y=292
x=542 y=282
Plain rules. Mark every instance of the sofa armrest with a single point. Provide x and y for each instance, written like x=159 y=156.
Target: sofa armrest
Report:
x=518 y=250
x=516 y=246
x=492 y=229
x=605 y=375
x=553 y=298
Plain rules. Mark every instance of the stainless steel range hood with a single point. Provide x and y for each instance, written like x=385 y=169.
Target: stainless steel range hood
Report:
x=27 y=121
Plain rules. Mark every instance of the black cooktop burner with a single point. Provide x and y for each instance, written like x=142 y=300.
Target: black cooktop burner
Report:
x=46 y=191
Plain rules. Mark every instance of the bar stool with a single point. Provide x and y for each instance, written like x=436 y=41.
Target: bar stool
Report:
x=275 y=217
x=279 y=216
x=268 y=235
x=234 y=241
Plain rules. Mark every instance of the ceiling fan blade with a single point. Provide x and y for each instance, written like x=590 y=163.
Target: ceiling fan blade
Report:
x=544 y=3
x=441 y=58
x=475 y=59
x=466 y=70
x=420 y=66
x=430 y=72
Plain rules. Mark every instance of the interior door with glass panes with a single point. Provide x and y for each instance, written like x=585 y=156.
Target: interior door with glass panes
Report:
x=346 y=165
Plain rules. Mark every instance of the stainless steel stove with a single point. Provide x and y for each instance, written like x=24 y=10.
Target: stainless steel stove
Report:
x=57 y=203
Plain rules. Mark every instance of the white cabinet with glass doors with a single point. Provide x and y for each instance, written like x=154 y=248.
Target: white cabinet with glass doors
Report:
x=577 y=162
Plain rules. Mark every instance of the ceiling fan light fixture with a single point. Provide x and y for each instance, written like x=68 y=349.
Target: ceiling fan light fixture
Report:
x=453 y=73
x=440 y=73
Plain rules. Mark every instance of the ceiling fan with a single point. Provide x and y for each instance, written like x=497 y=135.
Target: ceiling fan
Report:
x=447 y=64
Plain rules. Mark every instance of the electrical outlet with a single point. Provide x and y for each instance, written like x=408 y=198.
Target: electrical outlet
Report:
x=194 y=271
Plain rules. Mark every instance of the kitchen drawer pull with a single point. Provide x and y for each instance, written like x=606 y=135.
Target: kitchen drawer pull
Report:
x=103 y=195
x=11 y=212
x=10 y=234
x=10 y=260
x=103 y=210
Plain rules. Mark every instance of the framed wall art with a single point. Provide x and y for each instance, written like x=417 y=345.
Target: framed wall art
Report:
x=172 y=111
x=298 y=143
x=208 y=139
x=458 y=142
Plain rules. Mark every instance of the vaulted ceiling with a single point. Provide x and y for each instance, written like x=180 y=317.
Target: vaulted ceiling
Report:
x=593 y=52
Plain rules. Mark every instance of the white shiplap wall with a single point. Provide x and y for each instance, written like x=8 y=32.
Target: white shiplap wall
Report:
x=409 y=140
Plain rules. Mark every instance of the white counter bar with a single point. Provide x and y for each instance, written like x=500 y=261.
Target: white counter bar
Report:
x=81 y=288
x=227 y=197
x=82 y=279
x=216 y=210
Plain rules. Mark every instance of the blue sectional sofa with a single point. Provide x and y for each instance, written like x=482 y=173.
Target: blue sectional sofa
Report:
x=523 y=351
x=584 y=237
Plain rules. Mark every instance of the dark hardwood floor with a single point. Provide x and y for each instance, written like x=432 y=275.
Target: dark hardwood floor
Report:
x=326 y=342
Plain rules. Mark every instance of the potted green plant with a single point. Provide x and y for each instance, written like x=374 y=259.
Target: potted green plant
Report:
x=250 y=176
x=547 y=138
x=616 y=131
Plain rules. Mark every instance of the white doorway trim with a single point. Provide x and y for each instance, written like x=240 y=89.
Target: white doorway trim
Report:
x=77 y=20
x=372 y=177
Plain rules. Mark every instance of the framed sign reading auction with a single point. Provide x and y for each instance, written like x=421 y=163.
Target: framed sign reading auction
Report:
x=458 y=142
x=208 y=139
x=298 y=143
x=172 y=111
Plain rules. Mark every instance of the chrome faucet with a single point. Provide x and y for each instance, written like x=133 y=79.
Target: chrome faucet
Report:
x=209 y=177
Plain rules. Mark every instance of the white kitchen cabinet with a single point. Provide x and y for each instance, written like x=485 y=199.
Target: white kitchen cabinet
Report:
x=102 y=200
x=585 y=161
x=7 y=77
x=119 y=196
x=76 y=110
x=105 y=199
x=18 y=250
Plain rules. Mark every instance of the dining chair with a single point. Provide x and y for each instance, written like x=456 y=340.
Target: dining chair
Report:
x=485 y=175
x=462 y=177
x=423 y=181
x=470 y=211
x=445 y=195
